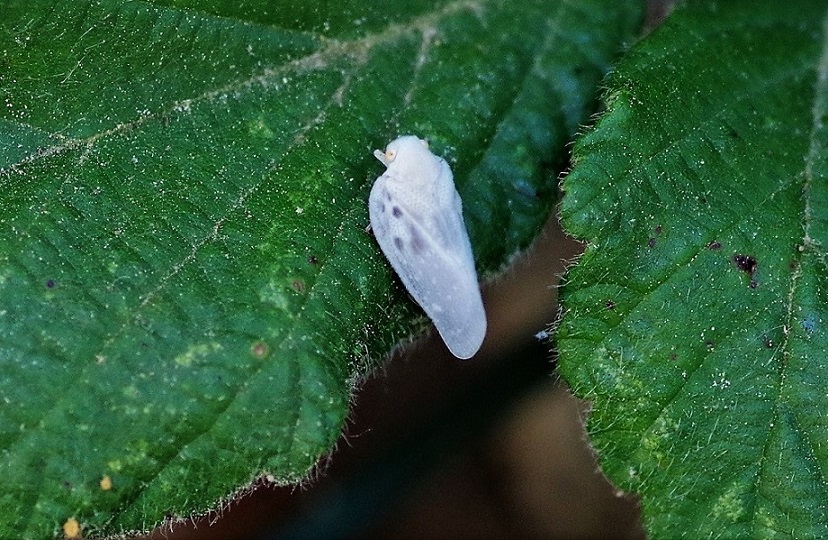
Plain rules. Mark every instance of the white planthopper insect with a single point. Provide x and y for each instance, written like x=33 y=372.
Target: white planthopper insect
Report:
x=417 y=218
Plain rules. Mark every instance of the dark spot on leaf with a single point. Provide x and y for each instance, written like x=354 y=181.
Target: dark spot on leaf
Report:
x=768 y=342
x=673 y=357
x=658 y=230
x=651 y=242
x=259 y=349
x=313 y=260
x=793 y=265
x=396 y=212
x=709 y=345
x=50 y=283
x=298 y=285
x=714 y=245
x=745 y=263
x=398 y=242
x=809 y=324
x=753 y=284
x=733 y=133
x=702 y=199
x=610 y=304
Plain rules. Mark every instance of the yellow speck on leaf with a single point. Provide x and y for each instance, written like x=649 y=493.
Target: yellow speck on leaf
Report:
x=106 y=483
x=72 y=529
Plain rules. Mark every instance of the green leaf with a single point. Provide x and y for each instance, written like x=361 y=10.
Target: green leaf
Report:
x=188 y=290
x=696 y=320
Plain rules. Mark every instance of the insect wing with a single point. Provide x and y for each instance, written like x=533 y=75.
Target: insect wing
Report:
x=431 y=254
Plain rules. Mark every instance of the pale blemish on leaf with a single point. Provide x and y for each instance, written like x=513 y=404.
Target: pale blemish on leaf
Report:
x=131 y=392
x=274 y=295
x=196 y=353
x=730 y=504
x=259 y=129
x=660 y=439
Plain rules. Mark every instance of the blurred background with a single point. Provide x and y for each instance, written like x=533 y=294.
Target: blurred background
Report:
x=435 y=447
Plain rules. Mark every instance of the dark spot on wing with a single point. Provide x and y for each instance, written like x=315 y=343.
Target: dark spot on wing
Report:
x=398 y=242
x=396 y=212
x=417 y=243
x=382 y=207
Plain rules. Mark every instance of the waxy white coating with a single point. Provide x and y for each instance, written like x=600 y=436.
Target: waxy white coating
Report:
x=417 y=218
